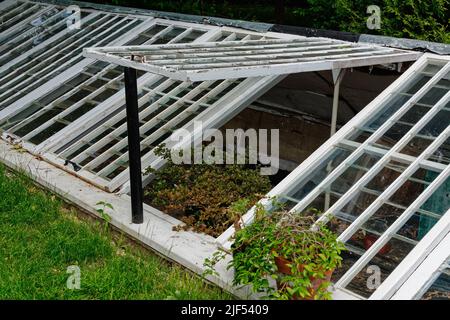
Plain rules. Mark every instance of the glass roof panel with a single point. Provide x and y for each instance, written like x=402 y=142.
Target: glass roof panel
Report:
x=385 y=194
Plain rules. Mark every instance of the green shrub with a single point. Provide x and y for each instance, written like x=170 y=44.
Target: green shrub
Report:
x=201 y=195
x=418 y=19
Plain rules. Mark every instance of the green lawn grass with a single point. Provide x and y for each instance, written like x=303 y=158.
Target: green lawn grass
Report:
x=40 y=238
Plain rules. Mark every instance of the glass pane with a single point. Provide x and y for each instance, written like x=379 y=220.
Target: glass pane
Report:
x=52 y=60
x=442 y=154
x=398 y=99
x=385 y=261
x=97 y=82
x=304 y=184
x=428 y=134
x=406 y=238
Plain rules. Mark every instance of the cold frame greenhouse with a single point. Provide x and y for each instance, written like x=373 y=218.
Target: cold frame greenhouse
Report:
x=384 y=175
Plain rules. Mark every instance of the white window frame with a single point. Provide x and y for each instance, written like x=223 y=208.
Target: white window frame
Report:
x=413 y=272
x=424 y=276
x=22 y=103
x=41 y=8
x=107 y=103
x=407 y=266
x=6 y=3
x=250 y=87
x=249 y=58
x=25 y=38
x=48 y=43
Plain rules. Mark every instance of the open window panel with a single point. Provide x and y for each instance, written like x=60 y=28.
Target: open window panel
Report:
x=42 y=68
x=383 y=181
x=80 y=125
x=99 y=153
x=250 y=58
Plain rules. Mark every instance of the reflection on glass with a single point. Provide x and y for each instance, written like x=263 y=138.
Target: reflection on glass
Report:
x=405 y=239
x=305 y=184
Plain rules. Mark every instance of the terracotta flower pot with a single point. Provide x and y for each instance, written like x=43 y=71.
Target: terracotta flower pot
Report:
x=283 y=268
x=369 y=240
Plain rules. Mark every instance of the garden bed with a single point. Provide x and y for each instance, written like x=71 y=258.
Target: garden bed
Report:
x=208 y=198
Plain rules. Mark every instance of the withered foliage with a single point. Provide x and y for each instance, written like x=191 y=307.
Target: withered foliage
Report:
x=208 y=198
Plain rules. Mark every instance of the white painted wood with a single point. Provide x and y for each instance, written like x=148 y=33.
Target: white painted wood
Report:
x=63 y=77
x=111 y=105
x=309 y=164
x=123 y=177
x=122 y=129
x=81 y=102
x=185 y=24
x=24 y=41
x=188 y=251
x=29 y=15
x=62 y=136
x=374 y=137
x=230 y=54
x=61 y=36
x=118 y=96
x=401 y=179
x=423 y=277
x=401 y=220
x=60 y=64
x=64 y=113
x=213 y=32
x=21 y=16
x=410 y=264
x=6 y=3
x=161 y=117
x=13 y=11
x=235 y=59
x=153 y=122
x=338 y=76
x=342 y=294
x=114 y=102
x=426 y=164
x=214 y=46
x=423 y=247
x=215 y=116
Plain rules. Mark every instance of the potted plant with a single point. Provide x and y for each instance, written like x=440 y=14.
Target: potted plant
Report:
x=288 y=248
x=371 y=238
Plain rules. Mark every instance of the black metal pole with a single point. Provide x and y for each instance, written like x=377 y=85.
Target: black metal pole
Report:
x=134 y=150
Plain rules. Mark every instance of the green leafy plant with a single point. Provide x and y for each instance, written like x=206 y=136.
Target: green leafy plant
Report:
x=101 y=210
x=417 y=19
x=278 y=240
x=204 y=196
